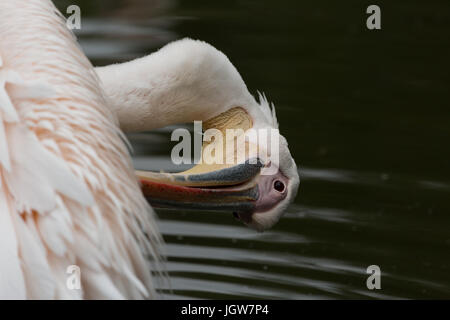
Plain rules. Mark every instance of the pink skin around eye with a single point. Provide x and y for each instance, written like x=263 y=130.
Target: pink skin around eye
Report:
x=269 y=196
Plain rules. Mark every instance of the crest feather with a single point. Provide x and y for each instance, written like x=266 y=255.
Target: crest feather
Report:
x=268 y=110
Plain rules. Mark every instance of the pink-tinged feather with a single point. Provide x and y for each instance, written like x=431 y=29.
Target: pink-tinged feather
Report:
x=71 y=194
x=12 y=282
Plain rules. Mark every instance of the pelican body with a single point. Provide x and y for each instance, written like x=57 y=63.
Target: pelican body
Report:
x=69 y=195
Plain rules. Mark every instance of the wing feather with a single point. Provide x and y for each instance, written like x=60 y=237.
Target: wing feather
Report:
x=68 y=193
x=12 y=282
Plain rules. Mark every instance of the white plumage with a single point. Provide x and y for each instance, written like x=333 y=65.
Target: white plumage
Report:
x=68 y=193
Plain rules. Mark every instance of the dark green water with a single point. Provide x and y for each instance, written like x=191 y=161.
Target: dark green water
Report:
x=366 y=114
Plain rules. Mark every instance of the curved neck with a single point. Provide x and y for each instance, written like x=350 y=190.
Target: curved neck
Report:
x=184 y=81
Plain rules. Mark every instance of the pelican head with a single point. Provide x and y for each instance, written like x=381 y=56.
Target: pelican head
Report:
x=245 y=168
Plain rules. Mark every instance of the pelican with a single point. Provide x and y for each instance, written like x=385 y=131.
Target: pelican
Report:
x=69 y=195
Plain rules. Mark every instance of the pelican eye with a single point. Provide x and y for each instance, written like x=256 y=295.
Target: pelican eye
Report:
x=278 y=185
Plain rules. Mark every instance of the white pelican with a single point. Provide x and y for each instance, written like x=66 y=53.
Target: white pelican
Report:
x=68 y=192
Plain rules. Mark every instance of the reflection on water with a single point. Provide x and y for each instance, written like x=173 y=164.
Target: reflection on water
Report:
x=320 y=249
x=366 y=119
